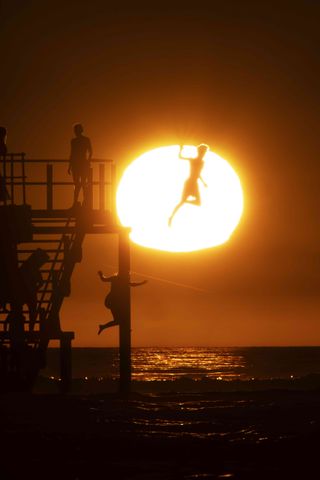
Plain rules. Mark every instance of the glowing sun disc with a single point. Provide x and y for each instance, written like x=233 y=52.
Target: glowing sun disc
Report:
x=151 y=187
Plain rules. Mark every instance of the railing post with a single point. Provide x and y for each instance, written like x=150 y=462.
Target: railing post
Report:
x=113 y=189
x=23 y=178
x=65 y=363
x=102 y=188
x=88 y=200
x=4 y=179
x=12 y=178
x=49 y=187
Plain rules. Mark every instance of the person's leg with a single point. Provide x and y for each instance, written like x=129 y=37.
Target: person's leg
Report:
x=85 y=184
x=184 y=197
x=77 y=186
x=113 y=323
x=175 y=211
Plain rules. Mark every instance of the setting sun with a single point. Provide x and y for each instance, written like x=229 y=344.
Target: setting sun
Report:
x=152 y=186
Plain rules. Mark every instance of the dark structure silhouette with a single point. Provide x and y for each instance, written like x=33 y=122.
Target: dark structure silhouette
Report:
x=79 y=166
x=28 y=282
x=3 y=151
x=31 y=281
x=114 y=299
x=40 y=246
x=190 y=193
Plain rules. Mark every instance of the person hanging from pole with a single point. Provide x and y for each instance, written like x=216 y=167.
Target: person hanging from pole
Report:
x=191 y=193
x=114 y=300
x=79 y=164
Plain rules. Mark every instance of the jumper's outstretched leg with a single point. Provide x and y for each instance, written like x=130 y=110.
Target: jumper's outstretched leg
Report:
x=195 y=201
x=175 y=211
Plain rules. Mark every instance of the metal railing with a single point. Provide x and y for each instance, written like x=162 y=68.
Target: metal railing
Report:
x=16 y=180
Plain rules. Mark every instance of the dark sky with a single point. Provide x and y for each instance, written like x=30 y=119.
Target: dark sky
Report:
x=241 y=76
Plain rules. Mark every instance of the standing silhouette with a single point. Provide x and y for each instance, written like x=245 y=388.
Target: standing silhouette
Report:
x=114 y=300
x=79 y=165
x=3 y=150
x=190 y=193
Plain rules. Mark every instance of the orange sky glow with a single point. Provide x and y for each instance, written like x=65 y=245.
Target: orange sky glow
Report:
x=242 y=82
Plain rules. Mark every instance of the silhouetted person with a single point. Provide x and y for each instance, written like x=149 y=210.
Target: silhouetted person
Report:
x=31 y=280
x=190 y=193
x=14 y=324
x=3 y=150
x=114 y=300
x=79 y=165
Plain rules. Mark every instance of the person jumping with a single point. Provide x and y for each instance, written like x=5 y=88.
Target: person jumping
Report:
x=191 y=193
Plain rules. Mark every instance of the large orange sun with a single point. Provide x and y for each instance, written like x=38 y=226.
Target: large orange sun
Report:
x=152 y=186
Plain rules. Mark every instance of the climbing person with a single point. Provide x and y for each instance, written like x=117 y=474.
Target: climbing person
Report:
x=114 y=300
x=191 y=193
x=79 y=163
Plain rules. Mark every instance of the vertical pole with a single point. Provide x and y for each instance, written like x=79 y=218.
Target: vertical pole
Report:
x=5 y=178
x=125 y=321
x=113 y=190
x=49 y=187
x=102 y=188
x=12 y=177
x=23 y=178
x=65 y=363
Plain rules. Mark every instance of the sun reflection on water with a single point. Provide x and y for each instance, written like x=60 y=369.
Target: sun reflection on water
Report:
x=194 y=363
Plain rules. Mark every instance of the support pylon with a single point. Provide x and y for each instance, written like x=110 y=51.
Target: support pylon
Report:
x=125 y=322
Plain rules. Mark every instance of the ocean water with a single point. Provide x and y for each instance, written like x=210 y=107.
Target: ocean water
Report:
x=195 y=363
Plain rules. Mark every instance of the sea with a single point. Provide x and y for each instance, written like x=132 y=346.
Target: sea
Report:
x=165 y=364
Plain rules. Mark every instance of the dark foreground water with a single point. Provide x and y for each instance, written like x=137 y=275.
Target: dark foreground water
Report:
x=163 y=364
x=179 y=423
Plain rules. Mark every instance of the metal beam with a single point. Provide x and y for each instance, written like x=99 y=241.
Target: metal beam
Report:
x=125 y=321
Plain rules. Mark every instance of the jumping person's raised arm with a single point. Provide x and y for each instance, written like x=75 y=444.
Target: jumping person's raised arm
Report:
x=137 y=284
x=181 y=156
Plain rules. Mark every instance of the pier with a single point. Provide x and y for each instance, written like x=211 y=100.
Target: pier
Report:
x=41 y=237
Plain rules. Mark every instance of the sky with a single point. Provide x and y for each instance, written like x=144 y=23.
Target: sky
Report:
x=240 y=76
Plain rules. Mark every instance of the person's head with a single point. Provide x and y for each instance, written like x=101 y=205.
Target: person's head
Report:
x=3 y=134
x=202 y=149
x=78 y=129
